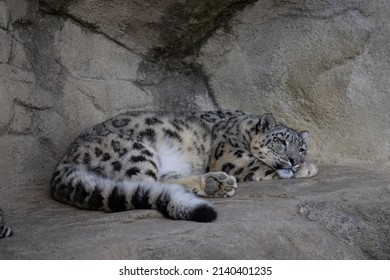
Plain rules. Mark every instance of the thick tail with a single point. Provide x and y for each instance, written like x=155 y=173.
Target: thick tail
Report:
x=88 y=190
x=5 y=231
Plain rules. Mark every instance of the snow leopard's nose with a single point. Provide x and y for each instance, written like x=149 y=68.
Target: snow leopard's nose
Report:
x=294 y=161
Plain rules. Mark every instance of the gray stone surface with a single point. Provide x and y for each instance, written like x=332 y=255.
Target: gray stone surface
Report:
x=323 y=66
x=5 y=46
x=168 y=28
x=343 y=213
x=316 y=65
x=3 y=14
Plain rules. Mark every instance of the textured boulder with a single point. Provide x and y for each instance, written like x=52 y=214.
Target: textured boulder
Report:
x=316 y=65
x=322 y=67
x=343 y=213
x=164 y=28
x=319 y=66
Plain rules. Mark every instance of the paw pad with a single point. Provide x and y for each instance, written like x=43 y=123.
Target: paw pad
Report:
x=219 y=184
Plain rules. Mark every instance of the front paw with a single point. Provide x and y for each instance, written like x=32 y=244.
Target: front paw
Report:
x=307 y=170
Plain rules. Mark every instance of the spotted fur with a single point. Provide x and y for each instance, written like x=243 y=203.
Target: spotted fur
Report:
x=255 y=149
x=5 y=231
x=149 y=160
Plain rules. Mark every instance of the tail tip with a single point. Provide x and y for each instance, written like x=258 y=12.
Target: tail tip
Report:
x=204 y=214
x=7 y=232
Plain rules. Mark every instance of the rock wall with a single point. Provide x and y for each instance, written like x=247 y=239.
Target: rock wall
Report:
x=319 y=65
x=65 y=65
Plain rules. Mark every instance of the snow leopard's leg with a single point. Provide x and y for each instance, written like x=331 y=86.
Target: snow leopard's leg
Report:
x=213 y=184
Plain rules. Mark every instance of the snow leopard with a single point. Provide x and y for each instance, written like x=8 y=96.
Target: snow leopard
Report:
x=172 y=161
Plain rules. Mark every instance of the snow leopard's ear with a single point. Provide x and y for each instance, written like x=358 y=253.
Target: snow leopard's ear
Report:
x=267 y=122
x=305 y=135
